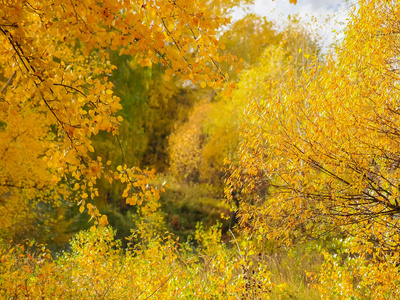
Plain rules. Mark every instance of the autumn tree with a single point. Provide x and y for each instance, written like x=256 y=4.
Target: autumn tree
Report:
x=212 y=127
x=55 y=92
x=186 y=145
x=319 y=156
x=325 y=144
x=247 y=38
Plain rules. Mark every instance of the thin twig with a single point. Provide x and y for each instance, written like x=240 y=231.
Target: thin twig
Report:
x=237 y=244
x=115 y=279
x=156 y=290
x=9 y=81
x=120 y=147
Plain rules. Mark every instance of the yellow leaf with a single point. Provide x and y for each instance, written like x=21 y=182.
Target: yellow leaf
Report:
x=103 y=220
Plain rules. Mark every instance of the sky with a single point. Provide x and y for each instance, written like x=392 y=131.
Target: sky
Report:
x=330 y=15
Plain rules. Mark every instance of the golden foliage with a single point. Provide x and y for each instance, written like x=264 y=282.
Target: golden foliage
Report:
x=55 y=93
x=186 y=145
x=98 y=267
x=320 y=154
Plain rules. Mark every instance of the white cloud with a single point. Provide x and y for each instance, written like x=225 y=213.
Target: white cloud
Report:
x=317 y=4
x=330 y=15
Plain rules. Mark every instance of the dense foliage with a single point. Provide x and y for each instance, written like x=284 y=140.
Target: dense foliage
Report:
x=95 y=96
x=319 y=155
